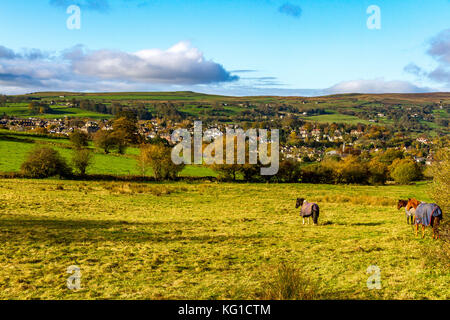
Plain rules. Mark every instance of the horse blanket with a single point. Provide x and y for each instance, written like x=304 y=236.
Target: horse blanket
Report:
x=409 y=213
x=425 y=211
x=307 y=209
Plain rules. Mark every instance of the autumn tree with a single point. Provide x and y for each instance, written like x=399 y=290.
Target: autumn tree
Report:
x=81 y=160
x=79 y=139
x=44 y=162
x=404 y=171
x=159 y=158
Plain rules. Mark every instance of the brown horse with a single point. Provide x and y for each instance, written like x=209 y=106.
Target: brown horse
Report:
x=425 y=214
x=409 y=214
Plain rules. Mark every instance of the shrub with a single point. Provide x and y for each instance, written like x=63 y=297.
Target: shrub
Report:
x=290 y=284
x=289 y=171
x=44 y=162
x=318 y=173
x=227 y=172
x=158 y=157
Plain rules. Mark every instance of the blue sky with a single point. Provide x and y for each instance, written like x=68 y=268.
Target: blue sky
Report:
x=232 y=47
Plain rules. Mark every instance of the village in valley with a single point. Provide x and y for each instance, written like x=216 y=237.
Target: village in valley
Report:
x=303 y=138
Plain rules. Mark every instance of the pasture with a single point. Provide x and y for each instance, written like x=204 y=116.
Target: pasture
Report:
x=209 y=241
x=21 y=110
x=14 y=147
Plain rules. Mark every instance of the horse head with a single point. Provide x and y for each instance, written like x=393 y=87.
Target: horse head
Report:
x=401 y=204
x=412 y=203
x=299 y=202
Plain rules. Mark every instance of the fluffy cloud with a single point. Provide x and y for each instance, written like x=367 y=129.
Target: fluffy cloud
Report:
x=439 y=50
x=375 y=86
x=80 y=69
x=180 y=64
x=290 y=10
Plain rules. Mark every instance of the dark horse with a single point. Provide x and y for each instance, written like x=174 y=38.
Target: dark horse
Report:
x=425 y=214
x=308 y=209
x=409 y=214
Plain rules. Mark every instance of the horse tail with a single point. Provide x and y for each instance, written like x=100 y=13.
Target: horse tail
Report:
x=316 y=208
x=315 y=212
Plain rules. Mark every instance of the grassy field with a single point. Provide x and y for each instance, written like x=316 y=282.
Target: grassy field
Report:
x=15 y=146
x=21 y=110
x=209 y=241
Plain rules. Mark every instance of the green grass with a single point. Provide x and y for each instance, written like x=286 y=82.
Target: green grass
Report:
x=336 y=117
x=209 y=241
x=21 y=110
x=14 y=148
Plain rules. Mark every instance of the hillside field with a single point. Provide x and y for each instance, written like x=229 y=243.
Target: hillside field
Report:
x=14 y=147
x=209 y=241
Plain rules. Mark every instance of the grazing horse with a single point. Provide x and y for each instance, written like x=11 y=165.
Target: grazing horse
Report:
x=308 y=209
x=425 y=214
x=409 y=214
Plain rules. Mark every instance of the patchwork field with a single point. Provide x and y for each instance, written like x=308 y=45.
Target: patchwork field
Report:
x=209 y=241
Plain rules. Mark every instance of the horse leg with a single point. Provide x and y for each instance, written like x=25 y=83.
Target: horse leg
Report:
x=309 y=220
x=423 y=231
x=303 y=220
x=436 y=228
x=417 y=229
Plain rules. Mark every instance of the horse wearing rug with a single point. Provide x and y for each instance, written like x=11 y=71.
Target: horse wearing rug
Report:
x=409 y=213
x=308 y=210
x=425 y=214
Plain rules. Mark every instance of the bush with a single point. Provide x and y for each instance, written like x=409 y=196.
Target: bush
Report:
x=159 y=158
x=317 y=173
x=290 y=284
x=289 y=171
x=404 y=171
x=81 y=160
x=44 y=162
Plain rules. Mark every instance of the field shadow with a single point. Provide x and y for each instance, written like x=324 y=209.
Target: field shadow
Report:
x=12 y=138
x=367 y=224
x=54 y=231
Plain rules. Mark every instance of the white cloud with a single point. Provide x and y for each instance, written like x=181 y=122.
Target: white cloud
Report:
x=375 y=86
x=180 y=64
x=80 y=69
